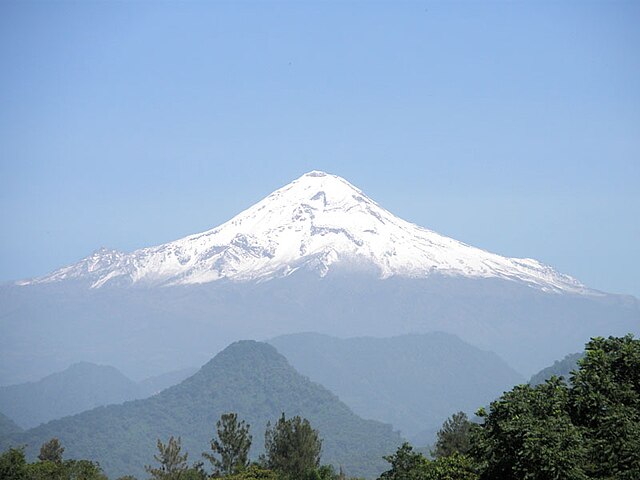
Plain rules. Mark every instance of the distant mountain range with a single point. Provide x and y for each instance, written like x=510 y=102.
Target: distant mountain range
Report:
x=7 y=426
x=80 y=387
x=315 y=255
x=413 y=382
x=249 y=378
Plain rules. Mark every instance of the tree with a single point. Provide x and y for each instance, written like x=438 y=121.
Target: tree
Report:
x=83 y=470
x=453 y=436
x=254 y=472
x=292 y=447
x=455 y=466
x=409 y=465
x=605 y=402
x=13 y=465
x=173 y=464
x=232 y=446
x=528 y=433
x=51 y=451
x=405 y=464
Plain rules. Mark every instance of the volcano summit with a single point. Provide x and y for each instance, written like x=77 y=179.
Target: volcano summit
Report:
x=316 y=222
x=316 y=255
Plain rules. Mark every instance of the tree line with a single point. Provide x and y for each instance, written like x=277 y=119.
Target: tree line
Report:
x=588 y=428
x=292 y=452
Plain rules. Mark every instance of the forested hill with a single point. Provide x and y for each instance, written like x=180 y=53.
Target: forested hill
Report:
x=7 y=426
x=249 y=378
x=560 y=368
x=411 y=381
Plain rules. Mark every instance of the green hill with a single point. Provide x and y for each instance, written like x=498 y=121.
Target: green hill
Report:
x=7 y=426
x=560 y=368
x=249 y=378
x=413 y=382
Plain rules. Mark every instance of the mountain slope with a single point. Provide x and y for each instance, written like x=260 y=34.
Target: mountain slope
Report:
x=560 y=368
x=8 y=426
x=316 y=222
x=155 y=384
x=80 y=387
x=412 y=381
x=249 y=378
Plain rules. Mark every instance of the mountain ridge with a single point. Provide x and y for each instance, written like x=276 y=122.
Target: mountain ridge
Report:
x=316 y=222
x=412 y=381
x=250 y=378
x=81 y=386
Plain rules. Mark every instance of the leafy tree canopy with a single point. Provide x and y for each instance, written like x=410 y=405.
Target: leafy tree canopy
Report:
x=292 y=447
x=51 y=451
x=453 y=436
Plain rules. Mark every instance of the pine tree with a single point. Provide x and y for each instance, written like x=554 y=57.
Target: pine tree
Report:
x=172 y=464
x=232 y=446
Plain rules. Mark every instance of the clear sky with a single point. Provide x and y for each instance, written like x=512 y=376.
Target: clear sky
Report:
x=511 y=126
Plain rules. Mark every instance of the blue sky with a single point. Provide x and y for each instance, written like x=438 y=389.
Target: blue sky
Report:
x=511 y=126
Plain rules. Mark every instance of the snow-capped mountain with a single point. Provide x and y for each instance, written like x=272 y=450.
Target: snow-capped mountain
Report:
x=316 y=222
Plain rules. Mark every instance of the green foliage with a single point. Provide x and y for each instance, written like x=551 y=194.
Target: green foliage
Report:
x=173 y=464
x=13 y=465
x=528 y=433
x=254 y=472
x=605 y=402
x=406 y=464
x=46 y=471
x=589 y=429
x=51 y=451
x=83 y=470
x=455 y=466
x=249 y=378
x=292 y=447
x=232 y=446
x=453 y=436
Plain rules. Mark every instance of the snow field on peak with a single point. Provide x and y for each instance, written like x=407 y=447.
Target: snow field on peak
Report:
x=314 y=222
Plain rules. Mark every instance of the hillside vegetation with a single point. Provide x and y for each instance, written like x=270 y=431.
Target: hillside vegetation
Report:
x=249 y=378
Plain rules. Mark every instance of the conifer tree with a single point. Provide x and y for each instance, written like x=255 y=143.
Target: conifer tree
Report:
x=173 y=464
x=232 y=446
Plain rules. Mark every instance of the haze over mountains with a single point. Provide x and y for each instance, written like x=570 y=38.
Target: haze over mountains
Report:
x=315 y=255
x=249 y=378
x=413 y=382
x=80 y=387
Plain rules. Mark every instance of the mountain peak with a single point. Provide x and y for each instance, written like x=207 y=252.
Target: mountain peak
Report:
x=314 y=223
x=315 y=173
